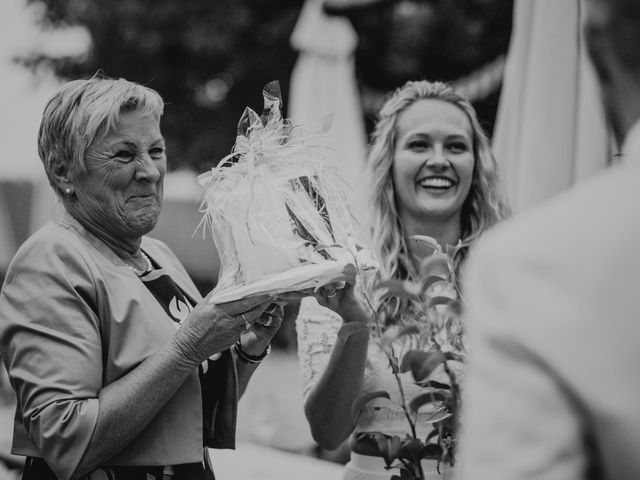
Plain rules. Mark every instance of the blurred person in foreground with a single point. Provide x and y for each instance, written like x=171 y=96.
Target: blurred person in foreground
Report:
x=553 y=306
x=120 y=368
x=431 y=173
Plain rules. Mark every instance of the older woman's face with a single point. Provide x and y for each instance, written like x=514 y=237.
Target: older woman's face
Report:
x=121 y=191
x=433 y=161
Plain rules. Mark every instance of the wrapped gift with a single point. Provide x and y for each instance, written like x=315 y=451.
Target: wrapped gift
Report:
x=276 y=210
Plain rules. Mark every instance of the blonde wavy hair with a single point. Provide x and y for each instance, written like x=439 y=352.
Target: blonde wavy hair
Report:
x=484 y=206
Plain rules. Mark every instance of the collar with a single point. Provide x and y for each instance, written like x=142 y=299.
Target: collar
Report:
x=176 y=271
x=68 y=221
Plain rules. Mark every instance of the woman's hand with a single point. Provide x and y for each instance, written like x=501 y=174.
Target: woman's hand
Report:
x=342 y=299
x=212 y=328
x=256 y=340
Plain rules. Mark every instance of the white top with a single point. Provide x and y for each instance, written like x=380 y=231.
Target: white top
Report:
x=317 y=329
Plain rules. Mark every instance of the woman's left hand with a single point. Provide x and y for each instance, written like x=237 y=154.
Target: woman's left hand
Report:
x=343 y=299
x=256 y=340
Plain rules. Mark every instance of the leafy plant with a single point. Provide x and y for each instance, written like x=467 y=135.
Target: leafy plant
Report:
x=430 y=331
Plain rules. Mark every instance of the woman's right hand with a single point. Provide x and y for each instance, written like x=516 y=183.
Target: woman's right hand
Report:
x=211 y=328
x=342 y=299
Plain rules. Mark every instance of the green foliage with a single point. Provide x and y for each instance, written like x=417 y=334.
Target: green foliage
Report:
x=435 y=359
x=421 y=363
x=366 y=398
x=208 y=60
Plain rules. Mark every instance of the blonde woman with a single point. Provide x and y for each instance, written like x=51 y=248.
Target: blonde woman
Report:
x=431 y=172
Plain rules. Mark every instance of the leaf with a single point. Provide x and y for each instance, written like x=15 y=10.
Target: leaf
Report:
x=452 y=250
x=390 y=335
x=432 y=451
x=408 y=330
x=454 y=356
x=435 y=384
x=451 y=303
x=407 y=475
x=421 y=363
x=429 y=281
x=394 y=444
x=411 y=449
x=364 y=399
x=348 y=274
x=411 y=357
x=423 y=244
x=437 y=416
x=436 y=264
x=398 y=288
x=427 y=398
x=388 y=445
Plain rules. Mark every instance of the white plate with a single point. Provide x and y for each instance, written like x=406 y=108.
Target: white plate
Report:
x=300 y=278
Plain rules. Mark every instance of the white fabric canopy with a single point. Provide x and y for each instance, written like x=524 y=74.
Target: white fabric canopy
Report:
x=323 y=82
x=550 y=129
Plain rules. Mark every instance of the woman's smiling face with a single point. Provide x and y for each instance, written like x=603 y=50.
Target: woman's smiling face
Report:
x=121 y=191
x=433 y=161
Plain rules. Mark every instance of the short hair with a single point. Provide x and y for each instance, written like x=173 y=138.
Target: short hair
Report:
x=484 y=206
x=84 y=110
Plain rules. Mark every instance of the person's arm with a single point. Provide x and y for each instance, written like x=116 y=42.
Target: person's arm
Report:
x=127 y=405
x=329 y=401
x=51 y=339
x=254 y=343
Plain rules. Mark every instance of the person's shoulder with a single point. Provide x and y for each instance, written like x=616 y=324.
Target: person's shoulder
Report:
x=586 y=217
x=50 y=251
x=51 y=237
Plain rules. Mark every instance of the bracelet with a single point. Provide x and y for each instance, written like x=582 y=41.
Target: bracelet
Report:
x=246 y=358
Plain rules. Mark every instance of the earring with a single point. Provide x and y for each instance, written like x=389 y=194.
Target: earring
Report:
x=67 y=191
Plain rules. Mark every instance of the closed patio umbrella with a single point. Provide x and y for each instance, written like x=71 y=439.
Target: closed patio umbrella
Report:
x=322 y=83
x=550 y=131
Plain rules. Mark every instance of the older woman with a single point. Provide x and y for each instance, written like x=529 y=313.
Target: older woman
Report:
x=431 y=173
x=121 y=370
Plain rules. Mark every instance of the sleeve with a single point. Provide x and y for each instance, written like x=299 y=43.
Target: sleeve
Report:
x=519 y=418
x=317 y=330
x=50 y=342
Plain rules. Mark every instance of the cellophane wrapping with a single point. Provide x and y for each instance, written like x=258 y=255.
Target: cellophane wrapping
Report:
x=276 y=210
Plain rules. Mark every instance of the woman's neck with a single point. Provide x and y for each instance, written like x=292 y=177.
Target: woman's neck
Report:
x=128 y=249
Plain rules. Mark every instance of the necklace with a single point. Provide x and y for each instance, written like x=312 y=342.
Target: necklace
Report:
x=148 y=265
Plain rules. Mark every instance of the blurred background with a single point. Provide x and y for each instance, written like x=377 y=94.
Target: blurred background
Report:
x=210 y=60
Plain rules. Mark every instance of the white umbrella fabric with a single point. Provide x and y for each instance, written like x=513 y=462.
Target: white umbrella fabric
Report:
x=550 y=128
x=322 y=83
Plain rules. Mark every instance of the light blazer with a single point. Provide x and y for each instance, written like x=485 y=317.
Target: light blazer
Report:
x=74 y=318
x=553 y=310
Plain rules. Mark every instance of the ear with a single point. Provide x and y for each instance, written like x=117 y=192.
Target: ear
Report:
x=61 y=174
